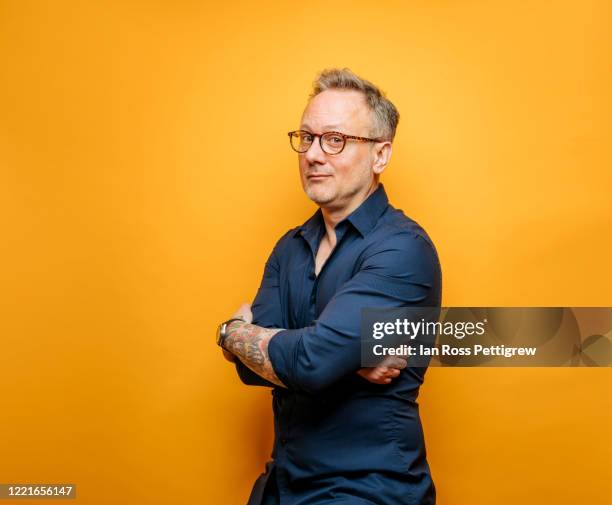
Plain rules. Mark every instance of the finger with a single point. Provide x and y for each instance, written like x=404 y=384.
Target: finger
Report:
x=379 y=378
x=371 y=375
x=400 y=363
x=368 y=373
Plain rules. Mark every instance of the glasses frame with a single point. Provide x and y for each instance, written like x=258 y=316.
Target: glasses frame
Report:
x=320 y=135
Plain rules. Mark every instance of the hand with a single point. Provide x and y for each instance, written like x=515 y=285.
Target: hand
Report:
x=244 y=312
x=386 y=371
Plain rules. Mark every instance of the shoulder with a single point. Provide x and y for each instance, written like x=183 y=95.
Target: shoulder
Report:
x=397 y=230
x=399 y=254
x=285 y=241
x=399 y=247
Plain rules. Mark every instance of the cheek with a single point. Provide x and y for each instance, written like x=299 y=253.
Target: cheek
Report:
x=349 y=172
x=302 y=165
x=362 y=170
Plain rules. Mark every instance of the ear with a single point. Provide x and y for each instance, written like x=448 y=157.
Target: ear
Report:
x=382 y=156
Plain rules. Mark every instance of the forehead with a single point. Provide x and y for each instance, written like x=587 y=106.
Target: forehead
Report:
x=336 y=109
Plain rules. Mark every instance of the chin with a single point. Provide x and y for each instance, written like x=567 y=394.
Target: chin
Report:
x=320 y=196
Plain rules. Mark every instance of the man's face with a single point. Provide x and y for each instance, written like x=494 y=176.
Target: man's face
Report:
x=334 y=181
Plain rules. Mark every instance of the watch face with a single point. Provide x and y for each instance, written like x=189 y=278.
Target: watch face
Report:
x=220 y=332
x=222 y=329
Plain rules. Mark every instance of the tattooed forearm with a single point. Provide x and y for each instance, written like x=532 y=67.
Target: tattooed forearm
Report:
x=250 y=343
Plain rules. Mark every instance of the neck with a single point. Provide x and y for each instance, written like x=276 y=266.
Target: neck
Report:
x=333 y=215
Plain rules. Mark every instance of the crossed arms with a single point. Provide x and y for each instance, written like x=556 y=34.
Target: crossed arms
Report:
x=394 y=273
x=249 y=343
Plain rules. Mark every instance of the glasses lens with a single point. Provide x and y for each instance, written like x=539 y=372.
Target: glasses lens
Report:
x=301 y=141
x=332 y=143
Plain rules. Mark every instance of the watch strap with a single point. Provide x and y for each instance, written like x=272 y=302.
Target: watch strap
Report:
x=223 y=329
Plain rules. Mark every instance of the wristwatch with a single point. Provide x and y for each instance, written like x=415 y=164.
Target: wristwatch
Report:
x=222 y=330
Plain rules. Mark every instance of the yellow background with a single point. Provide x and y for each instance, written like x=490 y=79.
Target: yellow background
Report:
x=146 y=175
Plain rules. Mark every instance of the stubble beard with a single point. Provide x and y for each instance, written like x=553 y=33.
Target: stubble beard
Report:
x=319 y=196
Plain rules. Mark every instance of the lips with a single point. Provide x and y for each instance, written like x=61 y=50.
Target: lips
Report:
x=317 y=176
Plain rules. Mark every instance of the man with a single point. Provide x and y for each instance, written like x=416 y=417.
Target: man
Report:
x=343 y=434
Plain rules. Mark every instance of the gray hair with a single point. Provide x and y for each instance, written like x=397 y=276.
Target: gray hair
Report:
x=384 y=113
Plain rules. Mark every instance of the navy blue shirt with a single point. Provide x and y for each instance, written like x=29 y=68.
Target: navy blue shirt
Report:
x=338 y=437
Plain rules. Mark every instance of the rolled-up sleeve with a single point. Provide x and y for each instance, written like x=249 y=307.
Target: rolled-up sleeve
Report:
x=267 y=312
x=403 y=270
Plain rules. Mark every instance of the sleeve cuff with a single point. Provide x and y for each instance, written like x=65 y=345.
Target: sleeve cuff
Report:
x=282 y=350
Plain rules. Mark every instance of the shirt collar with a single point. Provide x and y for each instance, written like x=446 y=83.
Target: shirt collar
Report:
x=363 y=218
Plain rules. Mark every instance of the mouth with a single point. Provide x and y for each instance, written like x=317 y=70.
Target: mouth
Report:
x=317 y=177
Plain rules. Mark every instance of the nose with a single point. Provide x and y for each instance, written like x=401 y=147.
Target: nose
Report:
x=315 y=154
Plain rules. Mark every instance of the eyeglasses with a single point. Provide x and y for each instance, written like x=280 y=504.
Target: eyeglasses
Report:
x=330 y=142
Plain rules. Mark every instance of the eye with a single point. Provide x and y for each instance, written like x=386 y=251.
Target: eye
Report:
x=306 y=137
x=335 y=139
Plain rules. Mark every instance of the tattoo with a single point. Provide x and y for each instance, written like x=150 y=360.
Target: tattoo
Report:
x=250 y=343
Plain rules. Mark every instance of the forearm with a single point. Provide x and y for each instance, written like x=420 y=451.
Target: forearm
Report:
x=250 y=344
